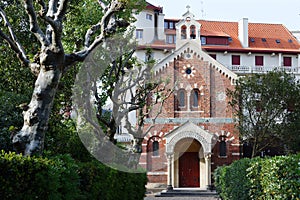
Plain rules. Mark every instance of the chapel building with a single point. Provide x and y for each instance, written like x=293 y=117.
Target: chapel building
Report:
x=195 y=132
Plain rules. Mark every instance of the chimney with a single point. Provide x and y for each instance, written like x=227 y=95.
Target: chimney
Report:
x=243 y=32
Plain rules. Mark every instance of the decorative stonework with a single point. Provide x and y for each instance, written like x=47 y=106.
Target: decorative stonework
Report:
x=188 y=71
x=189 y=130
x=221 y=96
x=194 y=120
x=199 y=138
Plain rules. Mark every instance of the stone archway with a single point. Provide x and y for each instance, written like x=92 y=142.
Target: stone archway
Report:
x=193 y=132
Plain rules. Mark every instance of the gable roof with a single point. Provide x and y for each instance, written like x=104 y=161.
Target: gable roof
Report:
x=262 y=37
x=192 y=45
x=150 y=6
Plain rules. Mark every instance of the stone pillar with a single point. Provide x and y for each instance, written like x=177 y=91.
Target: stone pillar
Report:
x=170 y=173
x=188 y=93
x=208 y=170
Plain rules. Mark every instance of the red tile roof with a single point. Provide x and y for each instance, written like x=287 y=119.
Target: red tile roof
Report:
x=152 y=7
x=257 y=31
x=158 y=44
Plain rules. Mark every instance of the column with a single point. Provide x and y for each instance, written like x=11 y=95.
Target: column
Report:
x=170 y=167
x=208 y=170
x=188 y=94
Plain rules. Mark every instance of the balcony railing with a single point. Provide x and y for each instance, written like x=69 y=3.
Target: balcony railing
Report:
x=239 y=69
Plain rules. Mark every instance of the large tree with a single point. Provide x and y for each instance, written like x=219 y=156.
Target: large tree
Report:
x=52 y=59
x=267 y=110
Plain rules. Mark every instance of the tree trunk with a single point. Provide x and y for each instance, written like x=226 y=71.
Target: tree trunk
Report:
x=135 y=153
x=30 y=139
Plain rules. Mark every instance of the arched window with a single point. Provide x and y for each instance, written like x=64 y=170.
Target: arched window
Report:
x=181 y=98
x=183 y=32
x=193 y=32
x=195 y=98
x=223 y=148
x=155 y=148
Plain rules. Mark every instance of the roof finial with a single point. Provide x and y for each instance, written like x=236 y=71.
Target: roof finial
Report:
x=188 y=8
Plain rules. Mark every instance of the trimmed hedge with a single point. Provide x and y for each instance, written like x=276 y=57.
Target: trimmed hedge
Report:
x=101 y=182
x=270 y=178
x=60 y=177
x=37 y=178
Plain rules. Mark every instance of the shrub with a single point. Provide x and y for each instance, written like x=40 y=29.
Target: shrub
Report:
x=37 y=178
x=260 y=179
x=254 y=176
x=101 y=182
x=231 y=181
x=280 y=177
x=60 y=177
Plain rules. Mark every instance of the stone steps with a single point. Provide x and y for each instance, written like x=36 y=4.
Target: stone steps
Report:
x=182 y=193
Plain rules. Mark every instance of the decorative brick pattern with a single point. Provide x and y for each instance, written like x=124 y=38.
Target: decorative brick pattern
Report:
x=212 y=114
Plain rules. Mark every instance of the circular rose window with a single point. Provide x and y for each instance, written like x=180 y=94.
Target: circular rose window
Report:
x=188 y=71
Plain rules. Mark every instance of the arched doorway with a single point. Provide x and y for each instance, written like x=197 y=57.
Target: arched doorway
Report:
x=189 y=164
x=188 y=151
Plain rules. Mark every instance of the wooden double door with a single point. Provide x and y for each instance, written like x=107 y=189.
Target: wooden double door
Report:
x=189 y=172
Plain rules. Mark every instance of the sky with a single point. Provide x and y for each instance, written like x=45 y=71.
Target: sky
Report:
x=286 y=12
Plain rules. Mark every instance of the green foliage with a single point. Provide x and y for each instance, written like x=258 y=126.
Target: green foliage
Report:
x=10 y=116
x=268 y=111
x=38 y=178
x=231 y=181
x=276 y=178
x=13 y=76
x=261 y=179
x=101 y=182
x=60 y=177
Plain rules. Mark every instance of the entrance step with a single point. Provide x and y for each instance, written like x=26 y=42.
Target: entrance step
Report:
x=187 y=192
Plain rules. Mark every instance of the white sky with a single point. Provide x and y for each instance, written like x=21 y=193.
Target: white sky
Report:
x=261 y=11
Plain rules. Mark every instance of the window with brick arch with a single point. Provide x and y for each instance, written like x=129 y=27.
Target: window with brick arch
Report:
x=195 y=98
x=222 y=147
x=181 y=98
x=155 y=148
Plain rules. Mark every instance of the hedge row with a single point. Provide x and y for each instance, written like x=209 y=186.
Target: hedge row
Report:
x=260 y=179
x=60 y=177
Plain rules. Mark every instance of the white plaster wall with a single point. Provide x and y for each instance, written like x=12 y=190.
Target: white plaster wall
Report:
x=161 y=27
x=249 y=60
x=147 y=26
x=158 y=55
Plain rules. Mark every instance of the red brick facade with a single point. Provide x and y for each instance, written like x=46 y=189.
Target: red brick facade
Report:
x=203 y=101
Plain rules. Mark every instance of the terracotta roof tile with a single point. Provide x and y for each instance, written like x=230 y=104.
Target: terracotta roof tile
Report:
x=257 y=31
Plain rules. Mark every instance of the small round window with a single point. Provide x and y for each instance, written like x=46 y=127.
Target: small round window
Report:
x=188 y=71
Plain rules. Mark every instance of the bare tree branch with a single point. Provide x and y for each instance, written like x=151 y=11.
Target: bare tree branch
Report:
x=13 y=41
x=34 y=27
x=107 y=25
x=103 y=5
x=61 y=11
